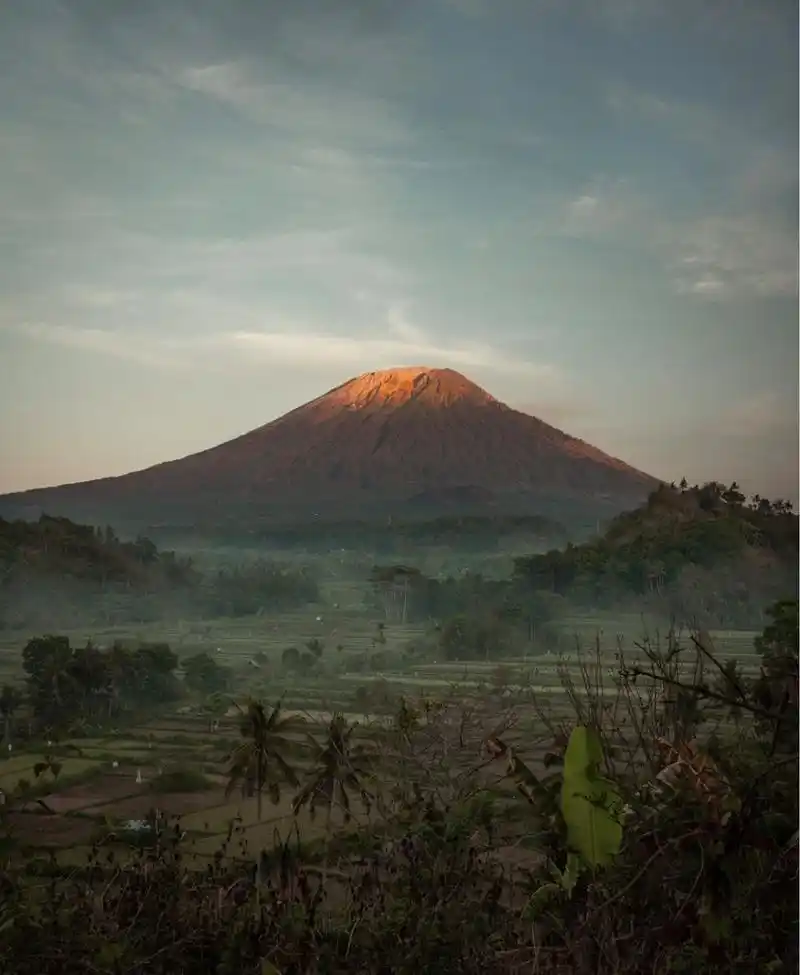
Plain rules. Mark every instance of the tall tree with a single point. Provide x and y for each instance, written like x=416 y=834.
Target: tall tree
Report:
x=52 y=689
x=261 y=760
x=340 y=769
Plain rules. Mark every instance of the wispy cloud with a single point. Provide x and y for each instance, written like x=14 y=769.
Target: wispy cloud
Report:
x=159 y=354
x=726 y=256
x=396 y=340
x=291 y=344
x=405 y=330
x=743 y=245
x=737 y=256
x=300 y=108
x=315 y=350
x=99 y=298
x=207 y=272
x=691 y=122
x=304 y=190
x=605 y=207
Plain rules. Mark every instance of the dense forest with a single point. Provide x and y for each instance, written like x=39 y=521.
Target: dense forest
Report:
x=701 y=555
x=53 y=571
x=691 y=550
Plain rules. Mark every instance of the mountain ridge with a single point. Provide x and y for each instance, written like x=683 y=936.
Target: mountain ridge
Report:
x=383 y=436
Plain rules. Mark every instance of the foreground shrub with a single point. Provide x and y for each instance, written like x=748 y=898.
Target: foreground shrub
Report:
x=665 y=837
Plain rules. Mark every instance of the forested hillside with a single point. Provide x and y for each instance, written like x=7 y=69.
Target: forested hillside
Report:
x=54 y=572
x=693 y=550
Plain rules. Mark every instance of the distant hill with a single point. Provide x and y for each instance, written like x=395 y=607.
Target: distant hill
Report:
x=58 y=547
x=700 y=551
x=402 y=440
x=55 y=573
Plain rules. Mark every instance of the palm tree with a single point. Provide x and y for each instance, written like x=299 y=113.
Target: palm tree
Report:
x=260 y=761
x=340 y=768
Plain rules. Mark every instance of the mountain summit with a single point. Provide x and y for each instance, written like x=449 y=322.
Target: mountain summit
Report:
x=395 y=387
x=413 y=435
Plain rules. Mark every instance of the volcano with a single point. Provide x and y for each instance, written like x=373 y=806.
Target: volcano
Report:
x=413 y=436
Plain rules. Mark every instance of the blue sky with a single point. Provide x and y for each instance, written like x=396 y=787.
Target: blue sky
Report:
x=211 y=212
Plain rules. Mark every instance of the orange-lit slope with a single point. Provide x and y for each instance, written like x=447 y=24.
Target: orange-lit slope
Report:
x=384 y=435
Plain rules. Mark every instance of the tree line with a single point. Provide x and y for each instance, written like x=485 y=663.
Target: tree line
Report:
x=70 y=689
x=55 y=569
x=679 y=528
x=697 y=554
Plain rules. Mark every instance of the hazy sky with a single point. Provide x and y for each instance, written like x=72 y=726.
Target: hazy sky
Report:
x=211 y=212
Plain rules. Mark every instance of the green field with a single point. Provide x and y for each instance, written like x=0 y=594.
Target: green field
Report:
x=97 y=785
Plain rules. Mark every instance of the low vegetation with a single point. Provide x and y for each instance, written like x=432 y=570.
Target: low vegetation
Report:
x=457 y=783
x=658 y=832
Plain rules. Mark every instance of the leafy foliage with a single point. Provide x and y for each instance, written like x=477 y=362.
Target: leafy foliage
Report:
x=340 y=768
x=590 y=803
x=69 y=686
x=692 y=820
x=658 y=550
x=261 y=760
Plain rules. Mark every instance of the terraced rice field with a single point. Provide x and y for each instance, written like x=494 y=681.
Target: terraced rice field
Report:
x=97 y=784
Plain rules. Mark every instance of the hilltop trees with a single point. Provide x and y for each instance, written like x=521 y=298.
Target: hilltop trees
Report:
x=702 y=555
x=57 y=545
x=60 y=572
x=658 y=548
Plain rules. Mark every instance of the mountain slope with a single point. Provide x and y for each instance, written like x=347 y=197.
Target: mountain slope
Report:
x=381 y=438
